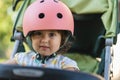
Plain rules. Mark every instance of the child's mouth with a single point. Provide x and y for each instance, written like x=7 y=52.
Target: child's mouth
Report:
x=44 y=47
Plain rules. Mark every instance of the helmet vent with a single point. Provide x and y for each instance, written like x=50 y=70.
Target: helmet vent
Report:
x=41 y=15
x=59 y=15
x=41 y=1
x=53 y=0
x=56 y=0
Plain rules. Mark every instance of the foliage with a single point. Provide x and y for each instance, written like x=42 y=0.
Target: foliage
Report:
x=5 y=26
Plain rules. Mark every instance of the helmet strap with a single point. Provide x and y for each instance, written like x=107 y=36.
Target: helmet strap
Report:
x=43 y=59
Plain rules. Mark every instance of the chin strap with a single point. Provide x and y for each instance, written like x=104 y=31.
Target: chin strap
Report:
x=44 y=58
x=66 y=40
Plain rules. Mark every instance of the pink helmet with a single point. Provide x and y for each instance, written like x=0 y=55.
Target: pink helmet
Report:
x=47 y=15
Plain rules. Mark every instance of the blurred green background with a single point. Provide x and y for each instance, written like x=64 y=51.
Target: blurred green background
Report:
x=6 y=26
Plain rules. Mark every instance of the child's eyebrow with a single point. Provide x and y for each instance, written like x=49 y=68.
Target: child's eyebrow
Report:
x=53 y=31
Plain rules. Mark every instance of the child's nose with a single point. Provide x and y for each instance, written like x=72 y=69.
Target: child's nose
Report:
x=44 y=38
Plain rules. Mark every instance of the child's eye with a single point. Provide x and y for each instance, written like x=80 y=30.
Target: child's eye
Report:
x=51 y=34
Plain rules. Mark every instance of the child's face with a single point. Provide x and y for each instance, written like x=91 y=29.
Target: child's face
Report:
x=46 y=42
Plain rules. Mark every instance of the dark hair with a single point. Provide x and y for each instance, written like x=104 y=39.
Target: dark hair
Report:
x=66 y=41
